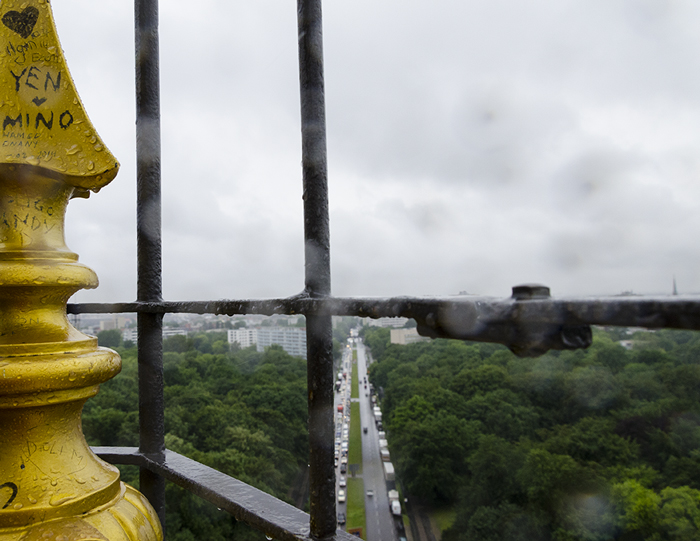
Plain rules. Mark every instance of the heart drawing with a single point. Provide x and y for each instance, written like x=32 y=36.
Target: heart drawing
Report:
x=21 y=23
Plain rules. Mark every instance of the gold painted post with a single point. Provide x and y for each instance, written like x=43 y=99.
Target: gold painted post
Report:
x=52 y=487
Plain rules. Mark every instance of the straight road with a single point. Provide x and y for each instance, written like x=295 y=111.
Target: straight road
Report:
x=344 y=399
x=380 y=521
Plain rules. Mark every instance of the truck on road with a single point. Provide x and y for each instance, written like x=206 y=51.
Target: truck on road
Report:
x=389 y=473
x=394 y=503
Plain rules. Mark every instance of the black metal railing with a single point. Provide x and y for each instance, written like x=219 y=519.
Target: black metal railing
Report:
x=529 y=322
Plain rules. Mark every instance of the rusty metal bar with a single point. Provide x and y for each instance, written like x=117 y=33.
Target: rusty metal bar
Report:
x=274 y=517
x=148 y=210
x=319 y=328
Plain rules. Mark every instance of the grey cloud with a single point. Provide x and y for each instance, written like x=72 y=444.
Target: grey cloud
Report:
x=472 y=146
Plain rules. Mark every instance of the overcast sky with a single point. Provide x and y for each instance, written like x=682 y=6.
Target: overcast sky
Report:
x=472 y=144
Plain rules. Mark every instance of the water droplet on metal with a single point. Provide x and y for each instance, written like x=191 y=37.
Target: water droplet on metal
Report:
x=58 y=499
x=73 y=150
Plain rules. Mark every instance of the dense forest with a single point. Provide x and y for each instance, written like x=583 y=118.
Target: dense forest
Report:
x=595 y=444
x=241 y=412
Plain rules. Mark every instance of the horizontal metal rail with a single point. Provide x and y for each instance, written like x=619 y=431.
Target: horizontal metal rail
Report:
x=275 y=518
x=529 y=323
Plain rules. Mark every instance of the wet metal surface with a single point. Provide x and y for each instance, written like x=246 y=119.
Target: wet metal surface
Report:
x=319 y=329
x=529 y=327
x=148 y=230
x=274 y=517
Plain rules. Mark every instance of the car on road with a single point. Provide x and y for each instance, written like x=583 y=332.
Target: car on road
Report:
x=341 y=518
x=342 y=481
x=341 y=496
x=364 y=429
x=370 y=493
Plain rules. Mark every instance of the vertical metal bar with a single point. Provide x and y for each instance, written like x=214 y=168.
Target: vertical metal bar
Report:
x=148 y=209
x=318 y=273
x=321 y=456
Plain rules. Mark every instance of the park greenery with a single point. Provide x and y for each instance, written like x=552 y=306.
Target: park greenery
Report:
x=241 y=412
x=597 y=444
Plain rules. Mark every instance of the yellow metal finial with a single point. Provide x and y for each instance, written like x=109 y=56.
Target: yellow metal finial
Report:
x=52 y=487
x=43 y=120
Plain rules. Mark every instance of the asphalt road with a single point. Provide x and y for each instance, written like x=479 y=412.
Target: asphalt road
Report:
x=379 y=520
x=342 y=398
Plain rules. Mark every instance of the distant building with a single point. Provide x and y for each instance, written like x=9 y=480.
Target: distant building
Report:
x=292 y=339
x=386 y=322
x=244 y=337
x=132 y=334
x=406 y=336
x=174 y=332
x=108 y=325
x=114 y=322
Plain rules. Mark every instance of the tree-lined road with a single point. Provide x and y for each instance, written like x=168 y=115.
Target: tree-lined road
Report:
x=380 y=522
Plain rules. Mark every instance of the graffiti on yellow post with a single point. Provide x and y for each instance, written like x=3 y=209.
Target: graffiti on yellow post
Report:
x=43 y=120
x=52 y=486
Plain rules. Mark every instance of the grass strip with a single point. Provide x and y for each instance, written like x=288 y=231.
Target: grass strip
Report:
x=406 y=523
x=356 y=505
x=355 y=389
x=355 y=440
